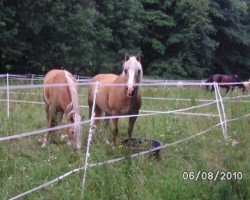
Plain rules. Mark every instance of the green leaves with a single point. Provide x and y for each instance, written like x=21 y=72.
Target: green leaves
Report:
x=177 y=38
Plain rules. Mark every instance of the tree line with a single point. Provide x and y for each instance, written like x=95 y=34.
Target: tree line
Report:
x=176 y=38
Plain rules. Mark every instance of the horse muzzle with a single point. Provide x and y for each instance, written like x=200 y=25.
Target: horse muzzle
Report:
x=131 y=92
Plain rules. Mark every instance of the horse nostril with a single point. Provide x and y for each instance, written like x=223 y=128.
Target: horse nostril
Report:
x=130 y=90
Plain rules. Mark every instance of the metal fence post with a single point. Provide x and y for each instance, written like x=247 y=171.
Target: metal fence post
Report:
x=91 y=131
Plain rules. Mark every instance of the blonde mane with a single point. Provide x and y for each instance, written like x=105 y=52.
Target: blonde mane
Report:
x=73 y=107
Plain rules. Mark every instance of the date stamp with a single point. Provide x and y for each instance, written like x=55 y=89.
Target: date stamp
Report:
x=212 y=176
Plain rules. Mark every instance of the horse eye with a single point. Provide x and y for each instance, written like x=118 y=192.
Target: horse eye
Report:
x=139 y=71
x=125 y=71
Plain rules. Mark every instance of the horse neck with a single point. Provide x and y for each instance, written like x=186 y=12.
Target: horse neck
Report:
x=120 y=79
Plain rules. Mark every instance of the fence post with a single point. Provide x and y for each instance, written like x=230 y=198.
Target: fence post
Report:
x=91 y=131
x=223 y=112
x=219 y=105
x=8 y=95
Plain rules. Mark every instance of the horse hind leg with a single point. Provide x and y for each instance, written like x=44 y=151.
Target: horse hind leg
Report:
x=51 y=123
x=58 y=119
x=98 y=113
x=131 y=126
x=114 y=130
x=105 y=134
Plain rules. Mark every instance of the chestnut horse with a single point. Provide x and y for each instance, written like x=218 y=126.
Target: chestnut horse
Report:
x=219 y=78
x=61 y=100
x=118 y=100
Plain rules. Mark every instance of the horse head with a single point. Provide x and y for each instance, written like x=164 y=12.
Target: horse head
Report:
x=132 y=72
x=241 y=84
x=74 y=131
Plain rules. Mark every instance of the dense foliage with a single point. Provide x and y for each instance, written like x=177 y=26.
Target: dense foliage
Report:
x=176 y=38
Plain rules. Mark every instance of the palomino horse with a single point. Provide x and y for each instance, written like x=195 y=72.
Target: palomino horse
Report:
x=219 y=78
x=247 y=85
x=118 y=100
x=61 y=100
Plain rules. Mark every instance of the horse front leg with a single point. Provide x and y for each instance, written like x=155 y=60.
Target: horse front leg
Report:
x=212 y=88
x=51 y=123
x=105 y=134
x=131 y=126
x=114 y=131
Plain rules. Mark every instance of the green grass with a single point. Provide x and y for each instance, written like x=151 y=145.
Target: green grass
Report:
x=25 y=165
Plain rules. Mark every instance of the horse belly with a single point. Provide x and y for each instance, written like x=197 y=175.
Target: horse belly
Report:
x=102 y=101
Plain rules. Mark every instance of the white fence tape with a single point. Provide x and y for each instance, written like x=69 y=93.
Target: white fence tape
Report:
x=5 y=138
x=99 y=118
x=120 y=159
x=181 y=113
x=220 y=106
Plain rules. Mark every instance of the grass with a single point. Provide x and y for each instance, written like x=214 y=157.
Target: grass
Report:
x=25 y=165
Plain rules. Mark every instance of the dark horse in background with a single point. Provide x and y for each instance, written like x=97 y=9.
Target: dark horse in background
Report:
x=219 y=78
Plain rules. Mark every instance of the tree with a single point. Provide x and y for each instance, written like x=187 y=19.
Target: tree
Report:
x=51 y=34
x=118 y=26
x=177 y=43
x=11 y=47
x=231 y=22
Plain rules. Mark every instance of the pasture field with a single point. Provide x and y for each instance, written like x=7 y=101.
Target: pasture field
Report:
x=25 y=165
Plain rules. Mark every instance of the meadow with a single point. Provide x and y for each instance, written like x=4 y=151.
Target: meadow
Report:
x=25 y=165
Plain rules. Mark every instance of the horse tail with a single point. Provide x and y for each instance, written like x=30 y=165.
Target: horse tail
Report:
x=73 y=107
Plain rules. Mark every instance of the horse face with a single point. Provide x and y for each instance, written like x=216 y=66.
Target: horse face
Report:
x=71 y=130
x=133 y=74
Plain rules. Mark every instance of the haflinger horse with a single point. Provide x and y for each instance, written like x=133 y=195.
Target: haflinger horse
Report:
x=60 y=100
x=247 y=85
x=124 y=98
x=219 y=78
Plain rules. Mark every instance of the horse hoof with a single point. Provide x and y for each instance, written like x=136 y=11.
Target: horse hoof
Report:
x=62 y=136
x=75 y=147
x=41 y=140
x=106 y=142
x=78 y=151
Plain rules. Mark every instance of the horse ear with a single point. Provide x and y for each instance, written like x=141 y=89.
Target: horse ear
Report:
x=127 y=57
x=138 y=58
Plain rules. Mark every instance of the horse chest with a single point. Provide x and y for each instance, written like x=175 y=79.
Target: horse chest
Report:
x=126 y=107
x=125 y=110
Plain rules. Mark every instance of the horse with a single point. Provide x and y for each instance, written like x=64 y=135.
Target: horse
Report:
x=118 y=100
x=62 y=100
x=219 y=78
x=247 y=85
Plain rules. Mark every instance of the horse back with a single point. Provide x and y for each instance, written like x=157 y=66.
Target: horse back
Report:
x=58 y=96
x=103 y=91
